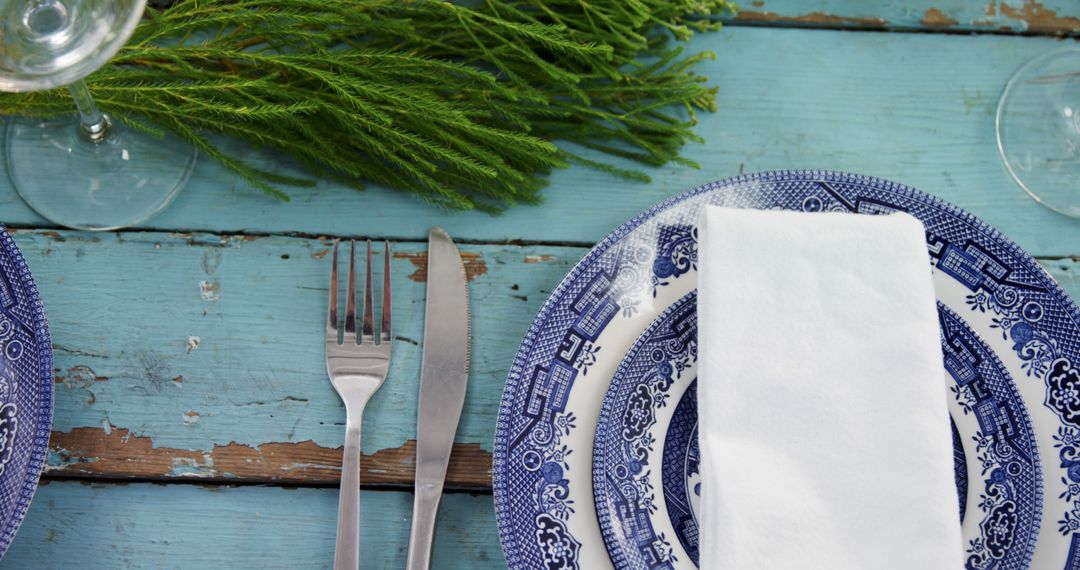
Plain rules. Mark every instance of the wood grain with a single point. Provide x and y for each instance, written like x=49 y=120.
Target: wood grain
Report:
x=200 y=357
x=116 y=527
x=915 y=108
x=188 y=350
x=156 y=380
x=1054 y=17
x=91 y=453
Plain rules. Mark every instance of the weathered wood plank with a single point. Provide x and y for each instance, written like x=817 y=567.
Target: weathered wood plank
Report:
x=1053 y=17
x=185 y=526
x=916 y=108
x=197 y=356
x=200 y=357
x=1066 y=271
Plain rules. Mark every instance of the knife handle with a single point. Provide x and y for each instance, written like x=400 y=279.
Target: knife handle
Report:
x=422 y=535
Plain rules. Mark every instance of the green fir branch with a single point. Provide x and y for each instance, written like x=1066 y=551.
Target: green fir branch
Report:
x=461 y=105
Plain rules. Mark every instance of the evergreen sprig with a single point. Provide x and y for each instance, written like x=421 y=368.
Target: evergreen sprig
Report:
x=457 y=104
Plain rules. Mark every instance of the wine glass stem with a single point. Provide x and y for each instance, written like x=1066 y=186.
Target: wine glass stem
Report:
x=95 y=125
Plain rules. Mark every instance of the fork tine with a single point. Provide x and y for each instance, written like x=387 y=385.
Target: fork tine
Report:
x=369 y=302
x=331 y=312
x=350 y=303
x=385 y=328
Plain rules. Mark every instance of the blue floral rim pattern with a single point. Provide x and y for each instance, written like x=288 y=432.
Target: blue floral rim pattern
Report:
x=26 y=388
x=627 y=450
x=660 y=365
x=531 y=489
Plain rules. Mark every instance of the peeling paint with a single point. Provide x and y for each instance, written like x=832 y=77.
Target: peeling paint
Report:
x=311 y=466
x=1029 y=16
x=1040 y=19
x=813 y=18
x=320 y=254
x=474 y=265
x=54 y=235
x=190 y=417
x=90 y=452
x=192 y=343
x=538 y=258
x=210 y=291
x=190 y=467
x=934 y=18
x=78 y=376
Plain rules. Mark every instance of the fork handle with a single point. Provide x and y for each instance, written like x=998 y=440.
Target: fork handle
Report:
x=347 y=549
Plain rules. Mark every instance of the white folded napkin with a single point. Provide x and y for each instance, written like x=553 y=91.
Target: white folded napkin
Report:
x=824 y=428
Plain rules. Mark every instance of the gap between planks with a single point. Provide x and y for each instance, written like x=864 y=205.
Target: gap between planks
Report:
x=55 y=233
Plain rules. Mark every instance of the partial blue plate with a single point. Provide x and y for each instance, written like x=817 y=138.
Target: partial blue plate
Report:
x=1011 y=339
x=645 y=458
x=26 y=388
x=646 y=481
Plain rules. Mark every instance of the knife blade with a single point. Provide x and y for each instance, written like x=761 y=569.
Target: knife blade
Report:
x=444 y=374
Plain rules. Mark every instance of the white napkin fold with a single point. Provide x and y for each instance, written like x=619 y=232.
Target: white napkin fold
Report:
x=824 y=428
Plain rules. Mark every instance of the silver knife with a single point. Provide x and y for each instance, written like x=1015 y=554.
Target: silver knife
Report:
x=444 y=374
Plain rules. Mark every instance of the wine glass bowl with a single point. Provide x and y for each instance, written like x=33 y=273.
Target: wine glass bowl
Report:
x=86 y=171
x=1038 y=129
x=50 y=43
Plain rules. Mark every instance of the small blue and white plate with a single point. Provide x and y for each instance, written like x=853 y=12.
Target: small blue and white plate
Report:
x=646 y=481
x=645 y=458
x=621 y=321
x=26 y=389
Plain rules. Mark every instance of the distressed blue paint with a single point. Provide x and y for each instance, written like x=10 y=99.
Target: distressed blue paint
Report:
x=985 y=15
x=125 y=306
x=915 y=108
x=170 y=526
x=184 y=526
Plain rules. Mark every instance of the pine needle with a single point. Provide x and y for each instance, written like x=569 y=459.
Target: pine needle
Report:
x=461 y=105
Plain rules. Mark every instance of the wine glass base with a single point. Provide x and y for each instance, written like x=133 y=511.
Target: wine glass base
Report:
x=1038 y=129
x=118 y=182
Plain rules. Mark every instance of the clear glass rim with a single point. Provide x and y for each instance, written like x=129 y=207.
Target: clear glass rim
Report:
x=1001 y=110
x=184 y=163
x=83 y=68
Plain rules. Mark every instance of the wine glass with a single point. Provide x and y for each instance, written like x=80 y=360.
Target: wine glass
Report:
x=1038 y=129
x=88 y=171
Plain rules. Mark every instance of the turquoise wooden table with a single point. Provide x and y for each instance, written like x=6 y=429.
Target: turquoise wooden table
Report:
x=194 y=424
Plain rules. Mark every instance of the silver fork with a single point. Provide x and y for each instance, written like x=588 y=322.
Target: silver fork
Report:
x=356 y=371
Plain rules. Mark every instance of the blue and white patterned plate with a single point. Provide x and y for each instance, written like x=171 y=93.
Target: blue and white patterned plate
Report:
x=1012 y=345
x=26 y=388
x=645 y=457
